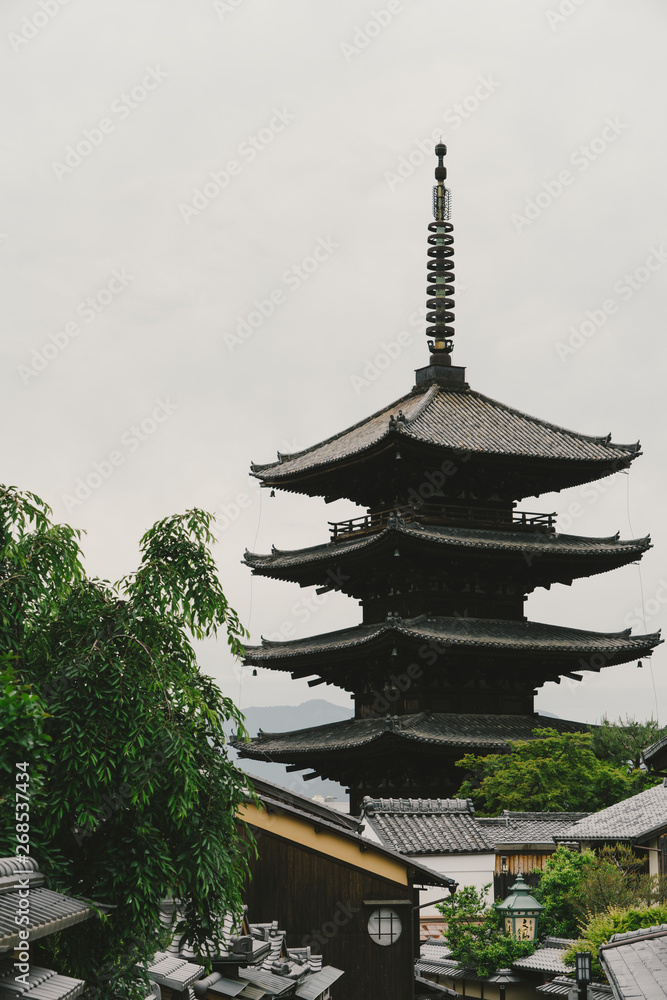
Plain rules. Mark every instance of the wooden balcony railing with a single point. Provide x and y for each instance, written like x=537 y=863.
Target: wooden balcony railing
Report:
x=456 y=515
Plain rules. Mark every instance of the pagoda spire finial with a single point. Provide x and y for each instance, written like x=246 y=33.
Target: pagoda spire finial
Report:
x=440 y=269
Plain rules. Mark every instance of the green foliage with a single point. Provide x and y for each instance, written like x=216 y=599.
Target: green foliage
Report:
x=22 y=739
x=602 y=926
x=559 y=891
x=475 y=934
x=139 y=797
x=576 y=887
x=552 y=772
x=621 y=743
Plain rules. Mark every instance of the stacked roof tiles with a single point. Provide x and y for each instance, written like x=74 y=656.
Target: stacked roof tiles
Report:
x=255 y=964
x=632 y=819
x=427 y=826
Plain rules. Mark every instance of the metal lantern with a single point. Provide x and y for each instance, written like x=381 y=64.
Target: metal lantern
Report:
x=583 y=966
x=520 y=912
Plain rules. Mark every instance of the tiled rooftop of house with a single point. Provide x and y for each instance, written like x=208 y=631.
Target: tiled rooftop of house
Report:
x=636 y=964
x=41 y=984
x=49 y=911
x=517 y=828
x=630 y=819
x=547 y=958
x=427 y=826
x=256 y=960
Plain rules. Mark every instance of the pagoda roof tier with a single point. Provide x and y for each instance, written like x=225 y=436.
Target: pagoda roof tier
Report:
x=379 y=736
x=535 y=556
x=470 y=438
x=349 y=656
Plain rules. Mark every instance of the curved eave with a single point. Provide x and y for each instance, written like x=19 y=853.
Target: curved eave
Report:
x=379 y=736
x=554 y=472
x=309 y=566
x=451 y=422
x=453 y=634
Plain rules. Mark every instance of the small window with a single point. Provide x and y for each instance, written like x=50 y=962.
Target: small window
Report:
x=384 y=926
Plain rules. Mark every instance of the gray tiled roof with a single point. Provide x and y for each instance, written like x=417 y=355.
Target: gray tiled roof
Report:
x=561 y=986
x=469 y=633
x=174 y=973
x=656 y=755
x=419 y=872
x=42 y=984
x=631 y=819
x=527 y=828
x=544 y=960
x=270 y=968
x=48 y=911
x=444 y=729
x=311 y=987
x=427 y=826
x=454 y=420
x=636 y=964
x=482 y=540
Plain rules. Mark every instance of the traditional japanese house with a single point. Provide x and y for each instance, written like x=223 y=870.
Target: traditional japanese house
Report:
x=444 y=661
x=639 y=821
x=345 y=897
x=523 y=843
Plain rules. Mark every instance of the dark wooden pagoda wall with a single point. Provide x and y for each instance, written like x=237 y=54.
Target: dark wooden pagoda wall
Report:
x=310 y=894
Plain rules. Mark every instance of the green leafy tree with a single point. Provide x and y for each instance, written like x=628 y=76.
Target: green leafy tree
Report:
x=552 y=772
x=600 y=928
x=575 y=886
x=559 y=891
x=622 y=743
x=475 y=933
x=139 y=796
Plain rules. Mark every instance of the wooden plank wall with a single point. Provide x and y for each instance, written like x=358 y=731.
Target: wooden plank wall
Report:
x=319 y=901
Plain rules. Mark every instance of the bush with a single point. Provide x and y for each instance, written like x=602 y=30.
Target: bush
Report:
x=576 y=887
x=600 y=928
x=475 y=933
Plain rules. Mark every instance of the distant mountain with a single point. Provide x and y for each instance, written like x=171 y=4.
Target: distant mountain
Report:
x=283 y=719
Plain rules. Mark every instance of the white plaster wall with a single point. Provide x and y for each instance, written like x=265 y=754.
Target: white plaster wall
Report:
x=466 y=869
x=653 y=857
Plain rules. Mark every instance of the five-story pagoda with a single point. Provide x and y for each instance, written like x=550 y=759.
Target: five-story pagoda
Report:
x=444 y=661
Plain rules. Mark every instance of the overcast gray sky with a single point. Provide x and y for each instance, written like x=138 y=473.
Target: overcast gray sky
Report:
x=169 y=166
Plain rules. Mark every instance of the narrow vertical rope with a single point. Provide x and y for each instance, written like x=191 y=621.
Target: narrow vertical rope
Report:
x=641 y=592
